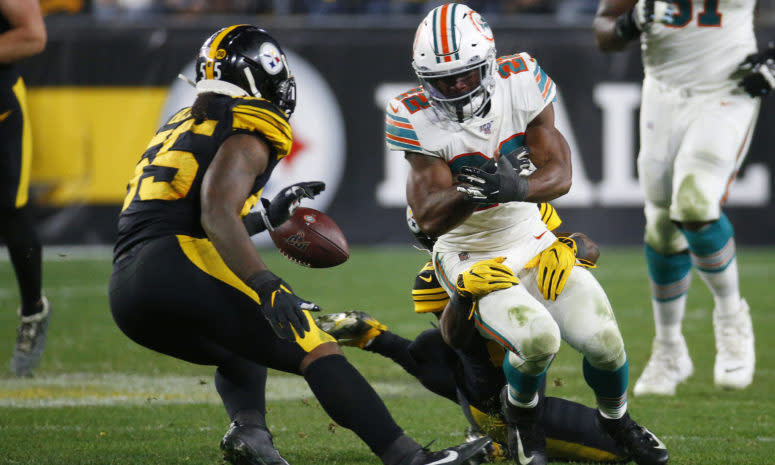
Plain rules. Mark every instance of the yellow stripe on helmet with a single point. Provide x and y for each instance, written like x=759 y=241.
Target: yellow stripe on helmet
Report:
x=214 y=48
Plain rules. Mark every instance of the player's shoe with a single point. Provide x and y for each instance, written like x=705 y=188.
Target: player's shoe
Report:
x=494 y=452
x=457 y=455
x=250 y=445
x=669 y=366
x=644 y=447
x=735 y=356
x=526 y=437
x=352 y=328
x=30 y=340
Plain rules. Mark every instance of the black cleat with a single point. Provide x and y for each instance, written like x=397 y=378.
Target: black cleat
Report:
x=644 y=447
x=527 y=440
x=250 y=445
x=457 y=455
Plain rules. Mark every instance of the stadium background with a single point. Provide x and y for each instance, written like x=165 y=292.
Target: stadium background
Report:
x=102 y=86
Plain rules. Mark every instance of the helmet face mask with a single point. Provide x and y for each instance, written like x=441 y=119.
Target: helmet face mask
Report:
x=451 y=41
x=250 y=59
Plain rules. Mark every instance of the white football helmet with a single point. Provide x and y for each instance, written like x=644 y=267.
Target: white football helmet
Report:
x=452 y=40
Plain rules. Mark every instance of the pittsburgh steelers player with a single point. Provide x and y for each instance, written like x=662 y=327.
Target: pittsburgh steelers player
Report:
x=473 y=377
x=188 y=282
x=22 y=34
x=702 y=88
x=472 y=107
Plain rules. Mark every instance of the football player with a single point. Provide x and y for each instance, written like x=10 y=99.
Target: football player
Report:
x=188 y=282
x=22 y=35
x=472 y=107
x=473 y=377
x=700 y=101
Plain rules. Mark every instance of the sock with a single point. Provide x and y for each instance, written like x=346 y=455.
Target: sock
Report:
x=670 y=277
x=523 y=388
x=713 y=253
x=351 y=402
x=18 y=232
x=610 y=388
x=242 y=386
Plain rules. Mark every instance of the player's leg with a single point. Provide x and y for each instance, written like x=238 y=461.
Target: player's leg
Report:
x=587 y=323
x=17 y=229
x=662 y=125
x=704 y=168
x=341 y=390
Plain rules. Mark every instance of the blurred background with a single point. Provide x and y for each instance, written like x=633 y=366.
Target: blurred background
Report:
x=109 y=73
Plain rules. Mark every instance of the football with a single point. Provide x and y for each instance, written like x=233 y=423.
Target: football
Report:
x=311 y=238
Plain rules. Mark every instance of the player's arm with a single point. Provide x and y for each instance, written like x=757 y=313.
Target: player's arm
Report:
x=27 y=35
x=614 y=25
x=226 y=184
x=550 y=153
x=436 y=204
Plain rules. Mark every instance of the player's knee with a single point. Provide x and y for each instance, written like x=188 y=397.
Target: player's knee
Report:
x=692 y=204
x=605 y=349
x=323 y=350
x=661 y=233
x=538 y=349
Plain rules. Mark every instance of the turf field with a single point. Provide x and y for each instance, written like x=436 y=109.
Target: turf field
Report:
x=98 y=398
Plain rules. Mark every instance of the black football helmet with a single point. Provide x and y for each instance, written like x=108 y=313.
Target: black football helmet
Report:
x=251 y=59
x=426 y=241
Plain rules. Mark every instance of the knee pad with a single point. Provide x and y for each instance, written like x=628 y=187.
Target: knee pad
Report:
x=692 y=204
x=661 y=232
x=605 y=350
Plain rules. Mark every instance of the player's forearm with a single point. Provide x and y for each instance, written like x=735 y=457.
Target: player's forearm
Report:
x=455 y=326
x=20 y=43
x=227 y=232
x=607 y=38
x=550 y=154
x=439 y=212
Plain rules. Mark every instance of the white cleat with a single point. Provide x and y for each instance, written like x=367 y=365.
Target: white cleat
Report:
x=669 y=366
x=735 y=355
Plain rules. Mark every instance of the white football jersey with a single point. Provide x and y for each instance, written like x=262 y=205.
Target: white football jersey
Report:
x=700 y=52
x=522 y=90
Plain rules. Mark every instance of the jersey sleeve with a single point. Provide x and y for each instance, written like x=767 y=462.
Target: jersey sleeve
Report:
x=546 y=87
x=403 y=122
x=262 y=117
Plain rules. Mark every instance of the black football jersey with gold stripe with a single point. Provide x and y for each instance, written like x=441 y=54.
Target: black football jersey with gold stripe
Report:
x=163 y=196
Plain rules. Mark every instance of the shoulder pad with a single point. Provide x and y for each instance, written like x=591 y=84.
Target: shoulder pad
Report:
x=407 y=120
x=263 y=117
x=428 y=295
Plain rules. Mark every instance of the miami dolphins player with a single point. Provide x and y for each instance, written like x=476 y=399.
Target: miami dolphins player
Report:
x=700 y=101
x=471 y=108
x=473 y=377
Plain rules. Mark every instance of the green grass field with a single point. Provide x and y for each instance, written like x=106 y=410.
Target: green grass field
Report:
x=98 y=398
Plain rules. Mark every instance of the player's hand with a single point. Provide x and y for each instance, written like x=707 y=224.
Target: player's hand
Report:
x=287 y=200
x=758 y=72
x=484 y=277
x=646 y=12
x=519 y=159
x=504 y=185
x=587 y=251
x=280 y=306
x=554 y=267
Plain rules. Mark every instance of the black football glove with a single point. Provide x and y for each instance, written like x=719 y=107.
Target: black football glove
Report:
x=272 y=214
x=519 y=158
x=280 y=306
x=503 y=185
x=758 y=72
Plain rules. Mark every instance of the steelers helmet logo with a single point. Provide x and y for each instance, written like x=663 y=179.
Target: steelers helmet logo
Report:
x=270 y=58
x=220 y=54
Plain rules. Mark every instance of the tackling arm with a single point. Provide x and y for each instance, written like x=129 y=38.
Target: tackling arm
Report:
x=436 y=204
x=550 y=153
x=27 y=35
